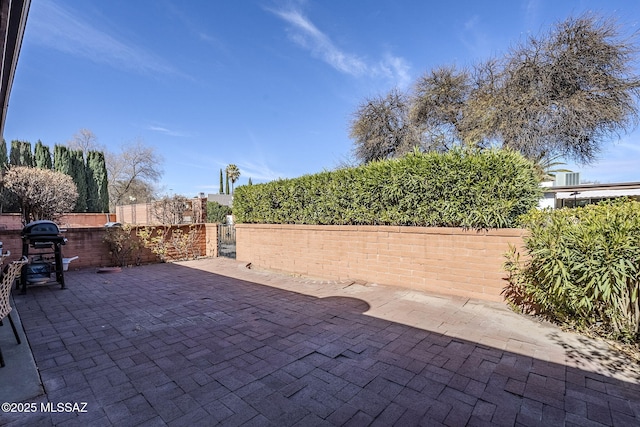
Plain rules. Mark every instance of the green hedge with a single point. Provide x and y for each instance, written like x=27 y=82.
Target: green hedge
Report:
x=582 y=268
x=217 y=213
x=487 y=189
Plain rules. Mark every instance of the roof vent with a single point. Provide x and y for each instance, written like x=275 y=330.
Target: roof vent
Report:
x=567 y=179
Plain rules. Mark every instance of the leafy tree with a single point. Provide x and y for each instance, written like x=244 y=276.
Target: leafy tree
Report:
x=41 y=193
x=233 y=173
x=133 y=172
x=227 y=184
x=250 y=182
x=21 y=154
x=42 y=156
x=97 y=184
x=221 y=186
x=547 y=166
x=381 y=128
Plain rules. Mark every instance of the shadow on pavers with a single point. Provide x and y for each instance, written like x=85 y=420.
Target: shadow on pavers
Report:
x=19 y=379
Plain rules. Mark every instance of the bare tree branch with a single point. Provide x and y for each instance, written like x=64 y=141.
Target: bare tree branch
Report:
x=133 y=172
x=381 y=128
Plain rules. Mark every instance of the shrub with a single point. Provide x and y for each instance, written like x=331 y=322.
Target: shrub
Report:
x=122 y=247
x=582 y=267
x=460 y=188
x=217 y=213
x=171 y=243
x=41 y=193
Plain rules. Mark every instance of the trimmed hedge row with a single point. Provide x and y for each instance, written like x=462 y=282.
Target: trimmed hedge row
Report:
x=460 y=188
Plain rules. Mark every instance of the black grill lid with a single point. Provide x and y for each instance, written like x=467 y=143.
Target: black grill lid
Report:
x=41 y=228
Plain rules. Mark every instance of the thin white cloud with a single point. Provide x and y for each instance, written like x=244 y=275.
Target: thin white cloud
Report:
x=258 y=171
x=256 y=168
x=396 y=68
x=304 y=33
x=618 y=162
x=55 y=27
x=475 y=39
x=166 y=131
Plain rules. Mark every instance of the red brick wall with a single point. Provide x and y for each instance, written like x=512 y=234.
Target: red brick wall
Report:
x=450 y=261
x=13 y=221
x=88 y=244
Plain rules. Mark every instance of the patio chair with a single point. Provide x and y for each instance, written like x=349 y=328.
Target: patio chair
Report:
x=9 y=276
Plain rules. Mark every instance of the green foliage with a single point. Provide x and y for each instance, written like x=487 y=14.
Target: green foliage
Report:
x=582 y=267
x=221 y=187
x=4 y=159
x=42 y=156
x=21 y=154
x=97 y=184
x=217 y=213
x=233 y=173
x=8 y=200
x=460 y=188
x=79 y=176
x=62 y=159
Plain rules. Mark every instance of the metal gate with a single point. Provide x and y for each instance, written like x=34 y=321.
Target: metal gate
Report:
x=227 y=240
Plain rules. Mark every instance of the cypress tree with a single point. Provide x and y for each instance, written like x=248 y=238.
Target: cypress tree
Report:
x=26 y=154
x=4 y=159
x=250 y=183
x=7 y=200
x=14 y=154
x=227 y=191
x=21 y=154
x=63 y=163
x=62 y=159
x=221 y=187
x=80 y=178
x=42 y=156
x=92 y=187
x=97 y=184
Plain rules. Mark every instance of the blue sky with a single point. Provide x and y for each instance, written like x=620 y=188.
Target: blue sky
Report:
x=268 y=85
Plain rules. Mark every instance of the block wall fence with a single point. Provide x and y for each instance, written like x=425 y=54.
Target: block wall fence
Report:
x=13 y=221
x=453 y=261
x=88 y=244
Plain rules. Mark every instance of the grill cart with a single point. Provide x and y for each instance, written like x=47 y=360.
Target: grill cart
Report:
x=42 y=245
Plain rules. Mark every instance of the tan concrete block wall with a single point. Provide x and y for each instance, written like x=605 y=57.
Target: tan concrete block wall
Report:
x=450 y=261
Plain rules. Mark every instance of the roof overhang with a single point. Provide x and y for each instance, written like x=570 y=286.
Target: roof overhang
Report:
x=13 y=19
x=597 y=194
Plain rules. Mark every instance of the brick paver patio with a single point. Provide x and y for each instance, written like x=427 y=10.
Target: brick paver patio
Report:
x=211 y=342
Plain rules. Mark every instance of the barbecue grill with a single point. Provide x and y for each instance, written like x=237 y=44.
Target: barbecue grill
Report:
x=40 y=240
